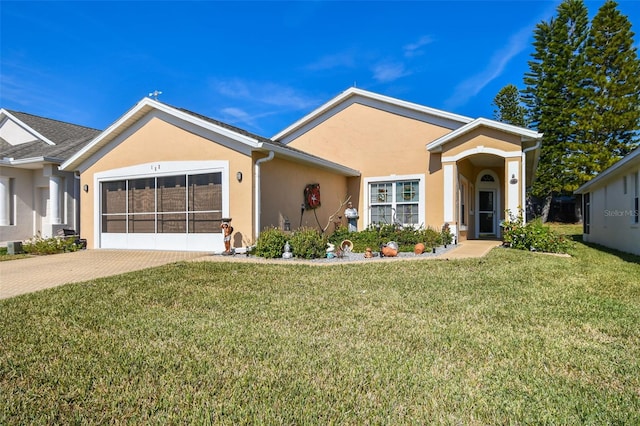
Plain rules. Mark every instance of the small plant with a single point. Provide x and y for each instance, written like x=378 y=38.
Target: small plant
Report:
x=307 y=243
x=446 y=235
x=533 y=236
x=271 y=243
x=39 y=245
x=430 y=237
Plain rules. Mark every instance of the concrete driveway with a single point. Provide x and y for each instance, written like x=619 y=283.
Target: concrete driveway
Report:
x=36 y=273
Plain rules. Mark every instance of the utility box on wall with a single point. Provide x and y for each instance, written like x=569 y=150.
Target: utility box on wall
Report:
x=14 y=247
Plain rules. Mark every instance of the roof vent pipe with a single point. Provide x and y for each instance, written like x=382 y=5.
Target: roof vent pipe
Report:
x=256 y=172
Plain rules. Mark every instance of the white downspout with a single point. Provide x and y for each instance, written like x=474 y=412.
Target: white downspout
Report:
x=524 y=177
x=256 y=172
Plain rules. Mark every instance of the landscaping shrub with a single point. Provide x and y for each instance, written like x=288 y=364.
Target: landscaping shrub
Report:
x=271 y=243
x=375 y=235
x=52 y=245
x=446 y=237
x=430 y=237
x=533 y=236
x=307 y=243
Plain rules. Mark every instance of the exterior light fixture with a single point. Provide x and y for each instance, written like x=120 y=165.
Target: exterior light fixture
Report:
x=513 y=180
x=85 y=188
x=239 y=176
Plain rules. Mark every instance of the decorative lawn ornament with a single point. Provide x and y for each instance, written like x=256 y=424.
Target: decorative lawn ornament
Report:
x=312 y=196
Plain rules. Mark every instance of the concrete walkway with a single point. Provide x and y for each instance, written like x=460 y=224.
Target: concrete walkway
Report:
x=472 y=248
x=27 y=275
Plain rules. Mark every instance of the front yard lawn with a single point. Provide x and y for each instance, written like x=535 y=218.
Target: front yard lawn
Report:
x=514 y=337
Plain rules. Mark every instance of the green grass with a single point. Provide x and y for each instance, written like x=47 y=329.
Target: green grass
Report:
x=512 y=338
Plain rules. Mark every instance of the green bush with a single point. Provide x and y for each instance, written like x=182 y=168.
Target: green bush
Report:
x=307 y=243
x=430 y=237
x=271 y=243
x=374 y=236
x=446 y=237
x=533 y=236
x=52 y=245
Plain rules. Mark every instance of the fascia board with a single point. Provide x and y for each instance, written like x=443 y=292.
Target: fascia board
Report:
x=382 y=102
x=26 y=127
x=310 y=159
x=141 y=109
x=608 y=172
x=525 y=134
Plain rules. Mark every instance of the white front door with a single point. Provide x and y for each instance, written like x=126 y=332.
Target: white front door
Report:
x=487 y=212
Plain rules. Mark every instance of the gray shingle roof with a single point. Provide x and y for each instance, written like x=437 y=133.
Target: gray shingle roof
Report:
x=264 y=140
x=68 y=138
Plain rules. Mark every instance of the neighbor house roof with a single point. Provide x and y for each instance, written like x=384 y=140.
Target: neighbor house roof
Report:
x=374 y=100
x=225 y=134
x=50 y=141
x=631 y=159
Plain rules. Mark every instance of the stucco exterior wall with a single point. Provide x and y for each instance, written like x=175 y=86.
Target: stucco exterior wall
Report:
x=377 y=144
x=282 y=195
x=612 y=213
x=22 y=214
x=482 y=137
x=155 y=141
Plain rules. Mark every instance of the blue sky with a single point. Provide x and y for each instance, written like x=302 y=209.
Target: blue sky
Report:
x=263 y=65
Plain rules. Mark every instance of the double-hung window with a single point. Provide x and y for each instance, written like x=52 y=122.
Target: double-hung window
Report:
x=396 y=202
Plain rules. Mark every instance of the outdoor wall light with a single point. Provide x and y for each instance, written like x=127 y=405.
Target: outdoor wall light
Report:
x=239 y=176
x=85 y=188
x=513 y=180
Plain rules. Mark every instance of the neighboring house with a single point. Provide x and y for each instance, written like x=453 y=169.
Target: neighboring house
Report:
x=164 y=178
x=420 y=166
x=611 y=213
x=36 y=197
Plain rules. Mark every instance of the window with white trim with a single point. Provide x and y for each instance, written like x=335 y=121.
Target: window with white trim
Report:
x=395 y=202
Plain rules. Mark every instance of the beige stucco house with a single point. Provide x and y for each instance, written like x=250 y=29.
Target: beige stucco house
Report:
x=421 y=166
x=36 y=198
x=163 y=177
x=611 y=210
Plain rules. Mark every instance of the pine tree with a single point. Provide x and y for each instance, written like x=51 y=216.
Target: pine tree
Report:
x=552 y=95
x=609 y=117
x=510 y=110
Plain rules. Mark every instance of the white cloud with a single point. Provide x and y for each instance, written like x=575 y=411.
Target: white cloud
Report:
x=414 y=49
x=496 y=66
x=263 y=93
x=337 y=60
x=517 y=43
x=389 y=71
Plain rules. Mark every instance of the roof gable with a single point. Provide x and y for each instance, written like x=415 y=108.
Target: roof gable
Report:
x=525 y=134
x=27 y=138
x=374 y=100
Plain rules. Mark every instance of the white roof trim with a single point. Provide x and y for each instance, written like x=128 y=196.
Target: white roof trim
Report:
x=525 y=134
x=26 y=127
x=607 y=172
x=385 y=102
x=141 y=109
x=482 y=150
x=147 y=105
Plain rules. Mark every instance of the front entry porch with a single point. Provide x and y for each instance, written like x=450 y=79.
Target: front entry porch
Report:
x=483 y=187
